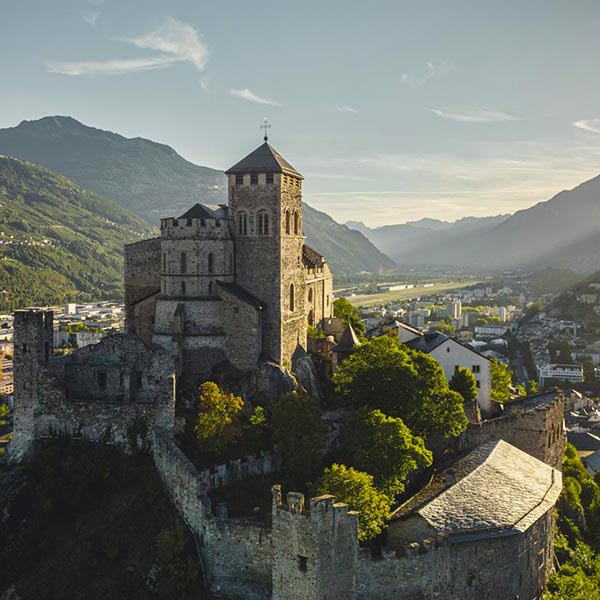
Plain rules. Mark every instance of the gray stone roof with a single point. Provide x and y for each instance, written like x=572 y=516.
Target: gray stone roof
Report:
x=428 y=341
x=265 y=159
x=497 y=489
x=205 y=211
x=348 y=342
x=312 y=258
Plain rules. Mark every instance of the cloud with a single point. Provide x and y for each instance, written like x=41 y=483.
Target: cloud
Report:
x=91 y=17
x=176 y=41
x=343 y=108
x=246 y=94
x=432 y=68
x=592 y=125
x=473 y=114
x=108 y=67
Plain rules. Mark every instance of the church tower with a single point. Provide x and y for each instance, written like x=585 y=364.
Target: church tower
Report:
x=265 y=202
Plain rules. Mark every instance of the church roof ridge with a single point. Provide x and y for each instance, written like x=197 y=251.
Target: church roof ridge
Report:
x=264 y=159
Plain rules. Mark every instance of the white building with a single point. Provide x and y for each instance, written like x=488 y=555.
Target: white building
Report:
x=572 y=373
x=451 y=355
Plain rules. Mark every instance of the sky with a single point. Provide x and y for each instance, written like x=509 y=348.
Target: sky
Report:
x=392 y=110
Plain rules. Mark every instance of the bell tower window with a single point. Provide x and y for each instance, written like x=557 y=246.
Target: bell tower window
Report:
x=254 y=179
x=183 y=263
x=211 y=262
x=296 y=223
x=287 y=221
x=269 y=178
x=242 y=223
x=263 y=222
x=239 y=179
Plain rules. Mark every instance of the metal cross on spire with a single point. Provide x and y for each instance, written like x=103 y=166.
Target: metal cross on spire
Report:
x=265 y=125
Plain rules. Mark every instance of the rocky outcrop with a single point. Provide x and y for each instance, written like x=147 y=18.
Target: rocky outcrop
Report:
x=305 y=371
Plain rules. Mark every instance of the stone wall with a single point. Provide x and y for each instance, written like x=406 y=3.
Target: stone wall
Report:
x=512 y=566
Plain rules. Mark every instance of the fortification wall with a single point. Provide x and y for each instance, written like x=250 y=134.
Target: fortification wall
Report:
x=237 y=554
x=513 y=566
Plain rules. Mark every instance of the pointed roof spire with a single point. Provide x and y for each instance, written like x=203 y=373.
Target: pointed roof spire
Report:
x=265 y=159
x=348 y=342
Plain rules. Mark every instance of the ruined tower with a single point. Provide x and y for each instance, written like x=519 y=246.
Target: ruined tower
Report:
x=265 y=203
x=33 y=348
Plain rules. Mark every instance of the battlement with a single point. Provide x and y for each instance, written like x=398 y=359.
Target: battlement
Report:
x=33 y=317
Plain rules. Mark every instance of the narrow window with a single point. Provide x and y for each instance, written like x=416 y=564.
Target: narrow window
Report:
x=189 y=222
x=292 y=297
x=183 y=263
x=231 y=263
x=310 y=295
x=239 y=179
x=210 y=288
x=138 y=380
x=242 y=223
x=183 y=288
x=296 y=223
x=164 y=256
x=211 y=262
x=254 y=178
x=269 y=177
x=478 y=384
x=311 y=317
x=101 y=380
x=263 y=223
x=287 y=221
x=302 y=563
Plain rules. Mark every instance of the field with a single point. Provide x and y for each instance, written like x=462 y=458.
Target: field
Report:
x=367 y=300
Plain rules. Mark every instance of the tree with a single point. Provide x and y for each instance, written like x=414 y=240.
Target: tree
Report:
x=402 y=383
x=446 y=328
x=501 y=381
x=176 y=571
x=358 y=491
x=464 y=382
x=385 y=448
x=532 y=387
x=298 y=433
x=218 y=421
x=342 y=309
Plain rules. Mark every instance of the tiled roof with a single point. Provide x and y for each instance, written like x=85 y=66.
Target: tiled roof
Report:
x=498 y=489
x=265 y=159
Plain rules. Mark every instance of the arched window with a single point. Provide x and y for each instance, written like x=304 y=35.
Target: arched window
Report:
x=211 y=262
x=263 y=222
x=287 y=222
x=310 y=295
x=296 y=223
x=183 y=263
x=292 y=297
x=242 y=223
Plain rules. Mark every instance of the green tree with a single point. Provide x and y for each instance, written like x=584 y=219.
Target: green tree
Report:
x=177 y=572
x=385 y=448
x=298 y=433
x=402 y=383
x=446 y=328
x=358 y=491
x=342 y=309
x=464 y=382
x=532 y=387
x=218 y=422
x=501 y=381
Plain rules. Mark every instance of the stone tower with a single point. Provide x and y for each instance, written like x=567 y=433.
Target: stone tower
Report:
x=33 y=348
x=315 y=554
x=265 y=202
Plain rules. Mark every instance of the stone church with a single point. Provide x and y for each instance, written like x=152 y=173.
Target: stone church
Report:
x=231 y=282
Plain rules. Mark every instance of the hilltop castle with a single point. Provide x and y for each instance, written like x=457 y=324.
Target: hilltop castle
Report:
x=233 y=282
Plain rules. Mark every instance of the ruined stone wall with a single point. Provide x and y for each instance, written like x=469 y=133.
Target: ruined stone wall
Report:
x=142 y=281
x=319 y=295
x=537 y=430
x=512 y=566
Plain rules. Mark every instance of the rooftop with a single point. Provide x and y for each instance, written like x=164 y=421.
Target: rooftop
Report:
x=205 y=211
x=265 y=159
x=348 y=341
x=497 y=490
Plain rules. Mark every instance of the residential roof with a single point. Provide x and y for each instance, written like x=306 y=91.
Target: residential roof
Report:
x=265 y=159
x=497 y=490
x=584 y=441
x=429 y=341
x=205 y=211
x=348 y=341
x=239 y=292
x=592 y=462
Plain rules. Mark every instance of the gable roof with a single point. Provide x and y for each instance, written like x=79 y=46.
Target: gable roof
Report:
x=265 y=159
x=498 y=490
x=429 y=341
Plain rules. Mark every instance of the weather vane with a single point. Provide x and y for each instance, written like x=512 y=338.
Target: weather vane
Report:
x=266 y=125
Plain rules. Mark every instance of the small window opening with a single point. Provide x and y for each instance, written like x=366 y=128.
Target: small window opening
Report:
x=211 y=262
x=102 y=380
x=302 y=563
x=269 y=178
x=239 y=179
x=254 y=178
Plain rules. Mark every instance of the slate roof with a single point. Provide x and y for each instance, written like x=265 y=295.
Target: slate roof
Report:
x=312 y=258
x=592 y=462
x=348 y=342
x=205 y=211
x=239 y=292
x=265 y=159
x=428 y=341
x=584 y=441
x=498 y=490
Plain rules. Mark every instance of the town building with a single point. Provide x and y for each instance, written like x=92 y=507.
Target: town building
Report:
x=558 y=372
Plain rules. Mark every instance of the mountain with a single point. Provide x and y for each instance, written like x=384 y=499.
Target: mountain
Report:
x=59 y=242
x=153 y=181
x=407 y=243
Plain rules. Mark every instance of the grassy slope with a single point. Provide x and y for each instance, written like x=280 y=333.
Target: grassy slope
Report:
x=85 y=236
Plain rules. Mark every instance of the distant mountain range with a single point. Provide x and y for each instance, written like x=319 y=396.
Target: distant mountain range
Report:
x=59 y=242
x=153 y=181
x=563 y=232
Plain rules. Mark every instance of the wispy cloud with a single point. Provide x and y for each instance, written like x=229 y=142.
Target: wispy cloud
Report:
x=473 y=114
x=431 y=69
x=246 y=94
x=177 y=42
x=592 y=125
x=343 y=108
x=91 y=17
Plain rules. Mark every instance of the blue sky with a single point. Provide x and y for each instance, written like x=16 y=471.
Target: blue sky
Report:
x=393 y=110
